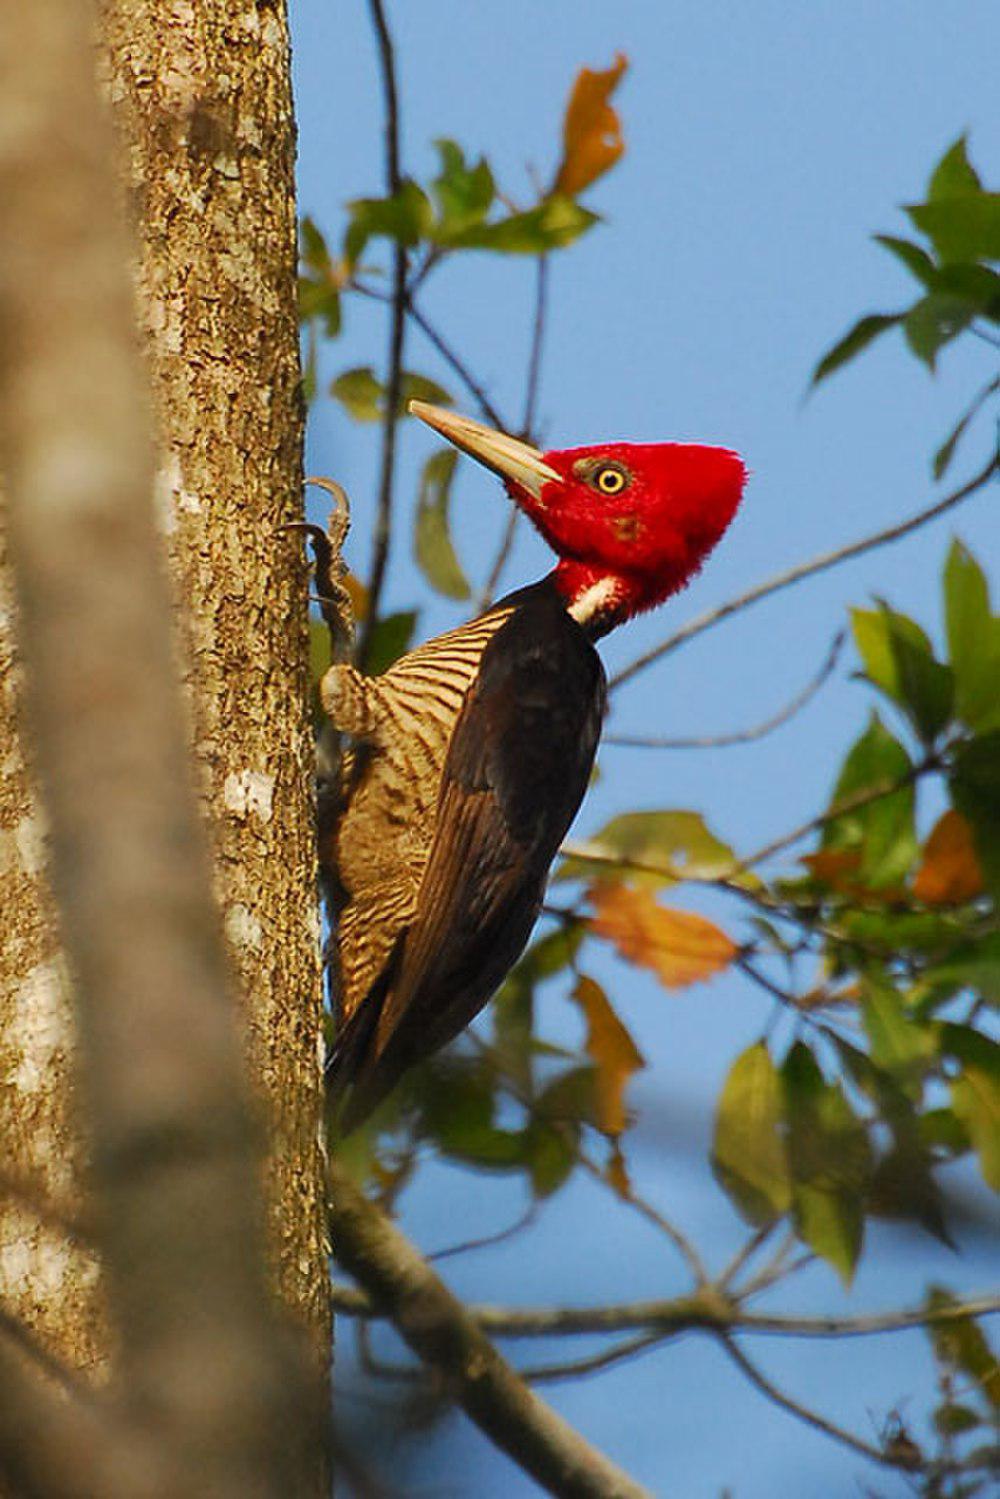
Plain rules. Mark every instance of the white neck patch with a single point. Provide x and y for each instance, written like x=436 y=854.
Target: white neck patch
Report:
x=594 y=600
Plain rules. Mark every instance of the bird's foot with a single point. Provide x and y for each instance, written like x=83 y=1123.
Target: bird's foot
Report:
x=329 y=569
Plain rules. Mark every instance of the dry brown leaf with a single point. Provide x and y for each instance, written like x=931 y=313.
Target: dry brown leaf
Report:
x=950 y=872
x=592 y=132
x=680 y=947
x=613 y=1052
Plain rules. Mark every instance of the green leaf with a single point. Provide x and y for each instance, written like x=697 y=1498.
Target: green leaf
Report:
x=882 y=831
x=898 y=659
x=975 y=285
x=962 y=227
x=551 y=1149
x=945 y=453
x=678 y=840
x=414 y=387
x=916 y=259
x=390 y=639
x=830 y=1160
x=864 y=332
x=320 y=300
x=748 y=1151
x=903 y=1184
x=464 y=193
x=953 y=1420
x=973 y=635
x=552 y=225
x=432 y=545
x=962 y=1345
x=360 y=392
x=406 y=218
x=954 y=173
x=975 y=791
x=974 y=965
x=933 y=322
x=898 y=1042
x=975 y=1094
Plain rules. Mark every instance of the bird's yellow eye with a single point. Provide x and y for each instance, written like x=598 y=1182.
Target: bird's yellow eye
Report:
x=610 y=480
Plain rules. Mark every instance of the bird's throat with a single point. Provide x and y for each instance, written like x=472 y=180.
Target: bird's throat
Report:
x=597 y=599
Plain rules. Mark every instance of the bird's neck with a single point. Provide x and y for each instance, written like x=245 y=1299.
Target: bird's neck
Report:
x=597 y=599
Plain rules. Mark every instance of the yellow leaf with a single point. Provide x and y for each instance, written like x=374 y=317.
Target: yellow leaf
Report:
x=592 y=132
x=613 y=1052
x=678 y=946
x=950 y=872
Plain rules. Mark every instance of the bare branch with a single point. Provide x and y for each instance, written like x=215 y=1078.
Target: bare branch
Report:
x=808 y=569
x=709 y=1310
x=685 y=1248
x=853 y=803
x=803 y=1413
x=397 y=329
x=439 y=1329
x=740 y=736
x=461 y=369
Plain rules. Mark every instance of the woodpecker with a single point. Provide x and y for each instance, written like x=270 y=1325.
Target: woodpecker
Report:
x=472 y=753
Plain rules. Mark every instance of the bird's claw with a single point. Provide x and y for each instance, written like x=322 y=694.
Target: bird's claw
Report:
x=328 y=567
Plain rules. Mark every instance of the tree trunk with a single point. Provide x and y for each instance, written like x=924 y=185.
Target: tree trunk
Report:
x=202 y=94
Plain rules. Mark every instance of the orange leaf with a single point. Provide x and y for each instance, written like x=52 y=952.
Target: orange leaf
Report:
x=678 y=946
x=592 y=132
x=831 y=865
x=613 y=1051
x=950 y=871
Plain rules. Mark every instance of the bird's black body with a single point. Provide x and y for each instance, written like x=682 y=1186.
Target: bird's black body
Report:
x=515 y=767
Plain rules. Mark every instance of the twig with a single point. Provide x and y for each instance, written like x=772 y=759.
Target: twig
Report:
x=741 y=736
x=679 y=1240
x=487 y=1241
x=847 y=804
x=707 y=1309
x=450 y=357
x=532 y=384
x=397 y=329
x=438 y=1328
x=812 y=1418
x=745 y=1253
x=577 y=1368
x=804 y=570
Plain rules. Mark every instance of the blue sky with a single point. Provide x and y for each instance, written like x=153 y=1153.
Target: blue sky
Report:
x=765 y=144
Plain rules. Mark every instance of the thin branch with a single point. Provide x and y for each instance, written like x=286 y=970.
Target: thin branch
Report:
x=808 y=569
x=578 y=1368
x=438 y=1328
x=811 y=1418
x=488 y=1241
x=533 y=383
x=708 y=1310
x=452 y=358
x=645 y=1209
x=847 y=804
x=745 y=1253
x=397 y=329
x=741 y=736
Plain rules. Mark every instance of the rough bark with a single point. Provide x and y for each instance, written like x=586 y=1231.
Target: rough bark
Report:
x=202 y=93
x=202 y=96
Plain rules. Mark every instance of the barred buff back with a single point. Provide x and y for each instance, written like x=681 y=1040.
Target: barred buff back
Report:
x=471 y=755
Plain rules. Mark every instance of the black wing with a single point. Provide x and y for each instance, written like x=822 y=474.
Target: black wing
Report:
x=516 y=771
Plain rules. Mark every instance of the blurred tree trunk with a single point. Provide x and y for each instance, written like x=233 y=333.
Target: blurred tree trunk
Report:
x=201 y=92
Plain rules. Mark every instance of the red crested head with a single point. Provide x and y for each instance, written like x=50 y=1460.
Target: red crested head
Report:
x=631 y=523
